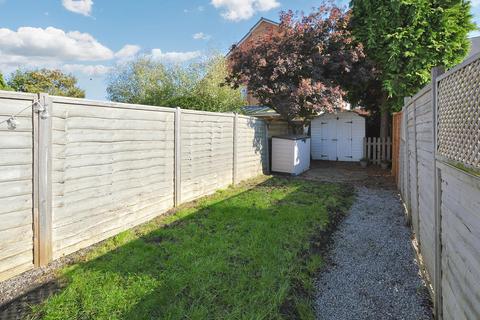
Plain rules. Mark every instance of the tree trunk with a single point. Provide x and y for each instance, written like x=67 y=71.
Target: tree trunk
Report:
x=384 y=124
x=292 y=128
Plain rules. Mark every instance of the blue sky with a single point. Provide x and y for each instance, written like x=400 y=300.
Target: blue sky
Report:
x=91 y=37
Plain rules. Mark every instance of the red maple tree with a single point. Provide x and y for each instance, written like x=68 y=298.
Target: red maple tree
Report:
x=303 y=67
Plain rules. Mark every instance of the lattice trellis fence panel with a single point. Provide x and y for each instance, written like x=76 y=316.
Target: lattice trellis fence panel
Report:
x=459 y=116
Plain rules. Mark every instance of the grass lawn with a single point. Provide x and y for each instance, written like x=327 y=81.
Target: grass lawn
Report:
x=249 y=252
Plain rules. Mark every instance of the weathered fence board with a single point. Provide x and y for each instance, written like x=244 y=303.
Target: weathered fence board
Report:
x=460 y=241
x=252 y=149
x=16 y=186
x=206 y=153
x=100 y=170
x=396 y=130
x=439 y=139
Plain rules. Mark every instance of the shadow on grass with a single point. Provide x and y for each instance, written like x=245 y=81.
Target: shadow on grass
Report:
x=248 y=255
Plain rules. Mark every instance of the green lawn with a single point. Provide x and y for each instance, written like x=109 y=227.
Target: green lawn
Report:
x=248 y=252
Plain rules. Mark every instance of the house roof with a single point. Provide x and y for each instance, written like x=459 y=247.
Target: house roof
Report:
x=252 y=29
x=255 y=26
x=259 y=111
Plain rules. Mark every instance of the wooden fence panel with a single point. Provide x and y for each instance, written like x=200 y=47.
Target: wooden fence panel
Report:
x=460 y=203
x=206 y=153
x=440 y=184
x=16 y=185
x=252 y=149
x=412 y=165
x=88 y=170
x=112 y=170
x=425 y=187
x=396 y=127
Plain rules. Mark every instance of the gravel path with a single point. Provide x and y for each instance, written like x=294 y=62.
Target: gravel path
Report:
x=372 y=271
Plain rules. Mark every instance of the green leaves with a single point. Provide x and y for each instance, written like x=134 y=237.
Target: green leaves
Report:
x=197 y=86
x=3 y=83
x=405 y=39
x=53 y=82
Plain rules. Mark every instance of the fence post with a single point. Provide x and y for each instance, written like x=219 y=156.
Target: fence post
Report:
x=401 y=153
x=365 y=147
x=408 y=195
x=235 y=153
x=43 y=177
x=36 y=204
x=437 y=183
x=383 y=141
x=417 y=204
x=177 y=159
x=389 y=147
x=267 y=147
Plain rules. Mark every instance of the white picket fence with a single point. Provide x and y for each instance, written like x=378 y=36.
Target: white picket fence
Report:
x=377 y=149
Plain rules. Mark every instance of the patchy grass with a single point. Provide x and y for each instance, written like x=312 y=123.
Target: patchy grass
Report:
x=249 y=252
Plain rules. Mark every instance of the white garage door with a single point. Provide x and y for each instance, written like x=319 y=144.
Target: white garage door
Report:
x=338 y=137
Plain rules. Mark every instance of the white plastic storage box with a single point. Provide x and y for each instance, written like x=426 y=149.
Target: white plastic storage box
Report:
x=291 y=154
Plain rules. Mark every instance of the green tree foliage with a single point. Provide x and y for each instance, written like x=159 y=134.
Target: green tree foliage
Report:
x=53 y=82
x=405 y=39
x=198 y=86
x=3 y=83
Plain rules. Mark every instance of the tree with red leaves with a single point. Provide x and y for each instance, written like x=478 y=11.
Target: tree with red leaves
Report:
x=303 y=68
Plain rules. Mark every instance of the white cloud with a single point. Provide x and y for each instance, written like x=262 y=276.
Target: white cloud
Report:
x=201 y=36
x=91 y=70
x=127 y=52
x=174 y=57
x=475 y=3
x=79 y=6
x=74 y=52
x=10 y=63
x=52 y=43
x=236 y=10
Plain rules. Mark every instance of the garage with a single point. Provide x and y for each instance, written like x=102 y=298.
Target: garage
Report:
x=338 y=136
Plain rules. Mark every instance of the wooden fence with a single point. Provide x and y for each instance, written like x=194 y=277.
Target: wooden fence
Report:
x=439 y=179
x=396 y=132
x=74 y=172
x=377 y=150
